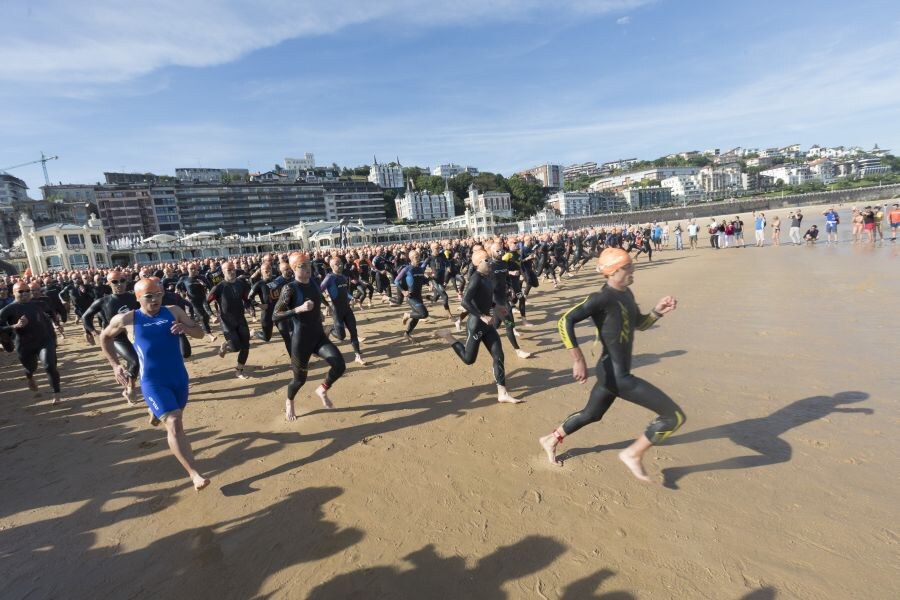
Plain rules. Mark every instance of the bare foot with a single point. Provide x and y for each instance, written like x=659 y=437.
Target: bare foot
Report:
x=223 y=349
x=32 y=384
x=322 y=393
x=200 y=481
x=458 y=324
x=239 y=373
x=445 y=335
x=154 y=421
x=129 y=395
x=56 y=399
x=549 y=443
x=359 y=359
x=405 y=318
x=289 y=410
x=522 y=354
x=507 y=399
x=634 y=465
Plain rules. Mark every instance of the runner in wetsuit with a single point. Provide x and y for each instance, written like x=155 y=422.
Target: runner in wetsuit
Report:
x=338 y=288
x=502 y=307
x=415 y=278
x=477 y=302
x=438 y=264
x=194 y=287
x=34 y=336
x=119 y=302
x=6 y=337
x=266 y=296
x=301 y=303
x=231 y=293
x=78 y=294
x=164 y=380
x=382 y=276
x=616 y=315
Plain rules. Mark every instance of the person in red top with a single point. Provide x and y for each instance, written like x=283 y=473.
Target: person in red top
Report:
x=894 y=216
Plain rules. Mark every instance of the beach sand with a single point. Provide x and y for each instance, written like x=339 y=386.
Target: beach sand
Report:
x=782 y=483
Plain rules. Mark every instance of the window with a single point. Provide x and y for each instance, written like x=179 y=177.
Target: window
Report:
x=53 y=262
x=74 y=239
x=48 y=241
x=95 y=239
x=78 y=260
x=101 y=260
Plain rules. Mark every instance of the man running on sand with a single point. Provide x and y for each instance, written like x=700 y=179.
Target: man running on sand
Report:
x=616 y=315
x=164 y=380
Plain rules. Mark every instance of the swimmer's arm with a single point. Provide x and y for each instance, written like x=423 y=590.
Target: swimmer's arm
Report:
x=566 y=324
x=665 y=305
x=468 y=301
x=116 y=326
x=282 y=307
x=87 y=319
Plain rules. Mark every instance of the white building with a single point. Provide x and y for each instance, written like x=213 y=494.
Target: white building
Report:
x=684 y=188
x=306 y=163
x=639 y=198
x=619 y=165
x=822 y=169
x=64 y=246
x=449 y=171
x=573 y=203
x=789 y=174
x=624 y=180
x=12 y=189
x=497 y=203
x=422 y=205
x=718 y=179
x=386 y=176
x=543 y=220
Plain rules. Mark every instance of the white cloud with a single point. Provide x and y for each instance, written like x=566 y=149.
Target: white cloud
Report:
x=623 y=20
x=106 y=41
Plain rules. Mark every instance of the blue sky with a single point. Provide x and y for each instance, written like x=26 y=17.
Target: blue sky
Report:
x=504 y=85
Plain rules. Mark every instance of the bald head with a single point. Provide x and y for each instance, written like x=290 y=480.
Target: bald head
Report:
x=147 y=285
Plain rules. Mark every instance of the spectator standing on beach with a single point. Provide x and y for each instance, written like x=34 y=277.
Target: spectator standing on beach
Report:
x=796 y=220
x=879 y=217
x=894 y=216
x=693 y=231
x=857 y=225
x=831 y=223
x=679 y=245
x=759 y=225
x=665 y=234
x=776 y=231
x=729 y=233
x=713 y=234
x=868 y=216
x=738 y=226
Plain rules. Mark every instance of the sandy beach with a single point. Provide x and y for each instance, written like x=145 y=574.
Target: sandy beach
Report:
x=781 y=484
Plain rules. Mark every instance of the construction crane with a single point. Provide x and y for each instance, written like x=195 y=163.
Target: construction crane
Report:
x=43 y=160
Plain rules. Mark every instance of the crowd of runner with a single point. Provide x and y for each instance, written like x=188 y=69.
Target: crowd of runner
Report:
x=295 y=294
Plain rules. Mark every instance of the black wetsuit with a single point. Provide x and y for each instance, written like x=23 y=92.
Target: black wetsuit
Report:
x=338 y=288
x=439 y=265
x=501 y=301
x=108 y=307
x=616 y=316
x=231 y=297
x=308 y=337
x=37 y=340
x=415 y=279
x=267 y=296
x=477 y=302
x=195 y=288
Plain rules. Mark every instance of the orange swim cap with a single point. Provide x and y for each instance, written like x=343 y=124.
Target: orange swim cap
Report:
x=297 y=258
x=612 y=259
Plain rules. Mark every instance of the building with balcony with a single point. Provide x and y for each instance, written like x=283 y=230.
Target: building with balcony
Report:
x=424 y=205
x=70 y=192
x=354 y=200
x=307 y=163
x=685 y=188
x=791 y=174
x=12 y=189
x=127 y=210
x=640 y=198
x=549 y=176
x=570 y=204
x=621 y=181
x=64 y=246
x=496 y=203
x=388 y=176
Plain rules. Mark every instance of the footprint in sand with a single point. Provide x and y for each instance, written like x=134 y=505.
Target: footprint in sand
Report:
x=147 y=444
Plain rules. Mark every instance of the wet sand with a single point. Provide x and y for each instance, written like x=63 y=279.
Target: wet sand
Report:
x=782 y=483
